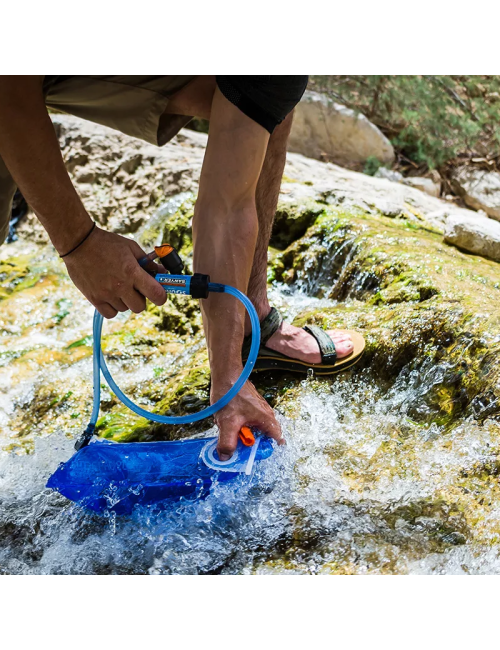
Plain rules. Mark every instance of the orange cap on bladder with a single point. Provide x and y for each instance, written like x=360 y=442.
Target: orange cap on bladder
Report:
x=246 y=436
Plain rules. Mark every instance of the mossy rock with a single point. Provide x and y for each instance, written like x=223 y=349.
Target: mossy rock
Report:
x=422 y=306
x=177 y=232
x=16 y=275
x=428 y=312
x=292 y=221
x=187 y=391
x=179 y=315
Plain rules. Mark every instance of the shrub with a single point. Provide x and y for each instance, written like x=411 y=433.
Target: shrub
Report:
x=430 y=119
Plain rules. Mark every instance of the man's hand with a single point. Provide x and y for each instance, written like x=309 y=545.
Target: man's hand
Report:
x=248 y=408
x=106 y=271
x=104 y=267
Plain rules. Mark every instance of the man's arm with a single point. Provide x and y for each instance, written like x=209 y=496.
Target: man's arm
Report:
x=225 y=232
x=104 y=267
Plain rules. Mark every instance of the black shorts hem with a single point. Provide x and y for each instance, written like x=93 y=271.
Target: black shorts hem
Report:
x=246 y=105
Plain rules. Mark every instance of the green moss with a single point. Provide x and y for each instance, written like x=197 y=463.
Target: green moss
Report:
x=345 y=255
x=292 y=221
x=442 y=522
x=86 y=340
x=187 y=391
x=180 y=315
x=16 y=275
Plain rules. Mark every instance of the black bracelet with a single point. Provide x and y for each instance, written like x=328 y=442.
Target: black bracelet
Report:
x=78 y=245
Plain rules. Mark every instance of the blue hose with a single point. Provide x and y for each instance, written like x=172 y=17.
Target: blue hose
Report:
x=99 y=364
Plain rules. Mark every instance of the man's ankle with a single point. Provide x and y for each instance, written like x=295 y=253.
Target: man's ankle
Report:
x=262 y=308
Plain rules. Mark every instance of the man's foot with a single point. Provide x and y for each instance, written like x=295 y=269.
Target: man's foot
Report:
x=296 y=343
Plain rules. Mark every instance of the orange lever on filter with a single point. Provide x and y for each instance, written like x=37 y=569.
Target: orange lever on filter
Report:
x=246 y=436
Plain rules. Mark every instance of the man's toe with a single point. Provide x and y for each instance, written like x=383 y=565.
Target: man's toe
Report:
x=343 y=343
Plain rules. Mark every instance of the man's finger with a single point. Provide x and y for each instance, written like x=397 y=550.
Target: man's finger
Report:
x=135 y=301
x=228 y=439
x=275 y=433
x=149 y=287
x=154 y=267
x=106 y=310
x=271 y=428
x=118 y=304
x=151 y=266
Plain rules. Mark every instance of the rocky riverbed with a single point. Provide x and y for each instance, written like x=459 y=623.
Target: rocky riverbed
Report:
x=391 y=467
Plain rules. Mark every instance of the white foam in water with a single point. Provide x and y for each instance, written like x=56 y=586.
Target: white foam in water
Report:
x=308 y=509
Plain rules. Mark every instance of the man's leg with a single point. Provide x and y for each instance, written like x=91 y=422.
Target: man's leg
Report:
x=266 y=197
x=7 y=191
x=292 y=341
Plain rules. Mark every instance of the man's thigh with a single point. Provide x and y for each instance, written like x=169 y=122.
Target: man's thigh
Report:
x=135 y=105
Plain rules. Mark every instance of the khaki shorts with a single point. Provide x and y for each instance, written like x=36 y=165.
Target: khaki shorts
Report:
x=134 y=105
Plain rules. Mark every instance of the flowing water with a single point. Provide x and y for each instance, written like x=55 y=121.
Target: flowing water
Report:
x=326 y=503
x=359 y=488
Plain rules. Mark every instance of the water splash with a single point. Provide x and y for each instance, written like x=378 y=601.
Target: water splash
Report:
x=359 y=488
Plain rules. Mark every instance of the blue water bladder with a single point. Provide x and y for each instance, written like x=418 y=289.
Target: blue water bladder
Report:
x=115 y=476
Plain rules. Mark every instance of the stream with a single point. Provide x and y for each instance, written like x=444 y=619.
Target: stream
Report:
x=359 y=487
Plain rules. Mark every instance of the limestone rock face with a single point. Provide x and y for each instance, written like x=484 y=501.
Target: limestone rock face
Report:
x=476 y=234
x=479 y=189
x=426 y=185
x=122 y=180
x=125 y=182
x=306 y=178
x=129 y=186
x=323 y=129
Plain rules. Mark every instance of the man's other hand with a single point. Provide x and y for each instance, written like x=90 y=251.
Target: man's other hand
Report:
x=250 y=409
x=105 y=269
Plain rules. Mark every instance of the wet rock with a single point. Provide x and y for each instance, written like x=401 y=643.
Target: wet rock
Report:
x=392 y=467
x=476 y=234
x=479 y=189
x=323 y=129
x=186 y=391
x=177 y=230
x=291 y=223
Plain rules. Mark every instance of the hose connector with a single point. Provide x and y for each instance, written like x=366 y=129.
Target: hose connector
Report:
x=198 y=287
x=86 y=437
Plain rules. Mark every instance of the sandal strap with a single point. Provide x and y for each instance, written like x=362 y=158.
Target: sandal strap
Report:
x=326 y=345
x=268 y=326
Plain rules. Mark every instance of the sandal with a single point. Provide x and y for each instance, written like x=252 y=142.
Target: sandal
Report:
x=268 y=359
